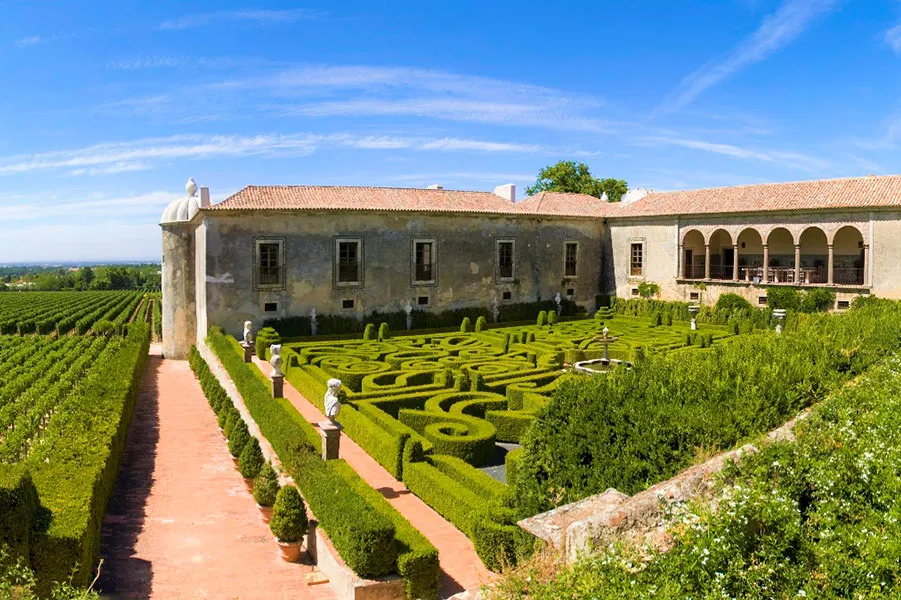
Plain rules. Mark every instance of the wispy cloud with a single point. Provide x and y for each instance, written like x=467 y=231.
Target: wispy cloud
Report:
x=795 y=160
x=25 y=42
x=259 y=17
x=120 y=157
x=893 y=38
x=774 y=33
x=310 y=91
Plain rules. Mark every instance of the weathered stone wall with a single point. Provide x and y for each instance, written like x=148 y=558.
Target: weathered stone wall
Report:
x=465 y=256
x=179 y=302
x=660 y=241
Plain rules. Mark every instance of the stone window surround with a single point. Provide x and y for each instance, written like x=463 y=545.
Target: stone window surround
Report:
x=360 y=262
x=643 y=242
x=434 y=280
x=257 y=242
x=578 y=261
x=497 y=252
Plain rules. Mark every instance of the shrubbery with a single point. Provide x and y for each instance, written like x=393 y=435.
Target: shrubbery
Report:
x=265 y=337
x=251 y=460
x=630 y=429
x=816 y=518
x=265 y=486
x=289 y=516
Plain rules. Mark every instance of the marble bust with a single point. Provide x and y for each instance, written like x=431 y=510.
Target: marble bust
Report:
x=248 y=334
x=276 y=360
x=332 y=404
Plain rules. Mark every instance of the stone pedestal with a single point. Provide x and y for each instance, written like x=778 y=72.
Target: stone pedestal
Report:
x=331 y=439
x=248 y=349
x=278 y=386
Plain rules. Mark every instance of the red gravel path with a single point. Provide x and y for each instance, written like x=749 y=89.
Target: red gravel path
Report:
x=180 y=523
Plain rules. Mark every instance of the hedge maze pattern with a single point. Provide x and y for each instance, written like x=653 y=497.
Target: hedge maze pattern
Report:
x=459 y=393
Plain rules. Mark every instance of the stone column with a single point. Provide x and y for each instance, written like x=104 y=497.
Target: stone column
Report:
x=797 y=264
x=706 y=261
x=734 y=262
x=680 y=269
x=331 y=439
x=831 y=263
x=866 y=264
x=278 y=386
x=766 y=264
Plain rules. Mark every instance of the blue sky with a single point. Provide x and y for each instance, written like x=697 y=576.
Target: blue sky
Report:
x=108 y=107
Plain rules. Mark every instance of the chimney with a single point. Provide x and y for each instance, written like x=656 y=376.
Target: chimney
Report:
x=204 y=197
x=435 y=186
x=506 y=191
x=634 y=195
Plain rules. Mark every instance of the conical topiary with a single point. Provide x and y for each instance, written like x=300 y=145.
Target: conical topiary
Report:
x=238 y=438
x=251 y=460
x=265 y=486
x=289 y=516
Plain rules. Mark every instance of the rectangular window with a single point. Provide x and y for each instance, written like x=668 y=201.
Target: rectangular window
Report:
x=269 y=264
x=349 y=262
x=507 y=296
x=637 y=260
x=347 y=304
x=761 y=300
x=423 y=301
x=423 y=261
x=505 y=258
x=270 y=307
x=570 y=259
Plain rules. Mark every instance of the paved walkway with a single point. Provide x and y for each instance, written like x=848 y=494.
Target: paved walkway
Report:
x=461 y=567
x=181 y=523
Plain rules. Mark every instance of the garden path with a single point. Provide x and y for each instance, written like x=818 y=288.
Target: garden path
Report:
x=180 y=523
x=461 y=567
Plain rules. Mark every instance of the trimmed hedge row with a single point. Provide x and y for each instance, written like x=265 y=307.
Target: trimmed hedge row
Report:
x=362 y=527
x=290 y=327
x=73 y=468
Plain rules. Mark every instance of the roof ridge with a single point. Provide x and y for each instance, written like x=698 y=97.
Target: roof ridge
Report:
x=371 y=187
x=770 y=183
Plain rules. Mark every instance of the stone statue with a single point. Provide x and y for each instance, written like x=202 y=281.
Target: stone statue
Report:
x=276 y=361
x=605 y=331
x=332 y=404
x=409 y=310
x=313 y=321
x=248 y=334
x=557 y=301
x=495 y=311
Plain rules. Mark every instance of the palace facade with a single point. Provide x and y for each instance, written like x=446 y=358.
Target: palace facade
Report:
x=279 y=251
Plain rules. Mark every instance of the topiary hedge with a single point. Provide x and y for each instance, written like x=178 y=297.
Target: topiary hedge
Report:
x=363 y=536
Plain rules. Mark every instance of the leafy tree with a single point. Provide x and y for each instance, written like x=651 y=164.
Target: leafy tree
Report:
x=570 y=176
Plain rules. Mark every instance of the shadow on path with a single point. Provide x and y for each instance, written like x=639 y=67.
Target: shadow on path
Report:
x=123 y=575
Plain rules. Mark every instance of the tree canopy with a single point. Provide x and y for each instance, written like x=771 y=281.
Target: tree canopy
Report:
x=570 y=176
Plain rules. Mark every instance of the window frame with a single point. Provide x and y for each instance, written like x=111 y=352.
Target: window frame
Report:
x=640 y=244
x=566 y=245
x=258 y=267
x=336 y=262
x=433 y=265
x=497 y=260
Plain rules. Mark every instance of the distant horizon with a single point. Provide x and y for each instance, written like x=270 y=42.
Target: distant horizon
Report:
x=80 y=263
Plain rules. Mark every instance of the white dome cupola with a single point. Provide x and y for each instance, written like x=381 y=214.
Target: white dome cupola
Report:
x=184 y=208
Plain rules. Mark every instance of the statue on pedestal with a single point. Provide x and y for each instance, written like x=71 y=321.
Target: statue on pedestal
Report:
x=495 y=311
x=248 y=333
x=558 y=301
x=332 y=402
x=313 y=321
x=409 y=310
x=276 y=360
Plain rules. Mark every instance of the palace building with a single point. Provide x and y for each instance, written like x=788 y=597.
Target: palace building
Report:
x=280 y=251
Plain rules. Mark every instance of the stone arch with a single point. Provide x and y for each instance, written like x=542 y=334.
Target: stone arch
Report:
x=849 y=259
x=722 y=254
x=813 y=244
x=693 y=254
x=750 y=254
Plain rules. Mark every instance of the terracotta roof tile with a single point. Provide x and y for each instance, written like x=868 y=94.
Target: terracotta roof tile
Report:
x=855 y=192
x=302 y=197
x=566 y=204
